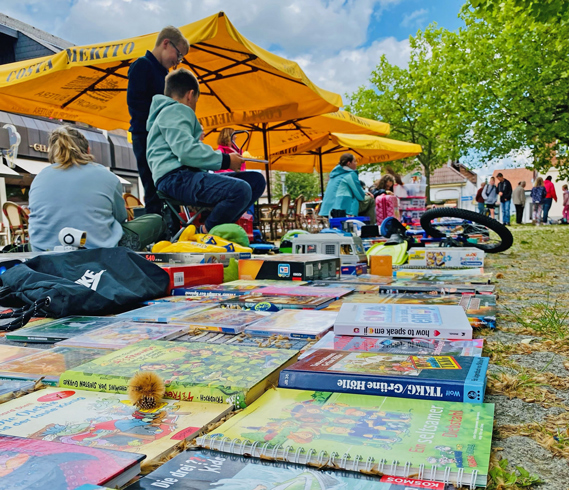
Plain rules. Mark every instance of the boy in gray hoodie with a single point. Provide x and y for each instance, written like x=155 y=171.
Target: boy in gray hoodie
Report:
x=179 y=161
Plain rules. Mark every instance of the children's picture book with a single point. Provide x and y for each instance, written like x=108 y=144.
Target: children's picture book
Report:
x=327 y=292
x=165 y=312
x=454 y=276
x=446 y=378
x=62 y=329
x=275 y=341
x=264 y=282
x=122 y=334
x=192 y=371
x=403 y=320
x=12 y=388
x=48 y=364
x=294 y=324
x=12 y=352
x=256 y=301
x=26 y=464
x=348 y=279
x=434 y=287
x=216 y=290
x=393 y=436
x=224 y=320
x=390 y=345
x=209 y=470
x=215 y=300
x=480 y=308
x=101 y=420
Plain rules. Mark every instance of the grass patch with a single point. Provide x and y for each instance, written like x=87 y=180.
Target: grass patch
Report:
x=545 y=319
x=502 y=479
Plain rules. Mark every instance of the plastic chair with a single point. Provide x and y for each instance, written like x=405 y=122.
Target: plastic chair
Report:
x=296 y=219
x=18 y=220
x=131 y=202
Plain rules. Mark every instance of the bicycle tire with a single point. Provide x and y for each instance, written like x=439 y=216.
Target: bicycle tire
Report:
x=502 y=231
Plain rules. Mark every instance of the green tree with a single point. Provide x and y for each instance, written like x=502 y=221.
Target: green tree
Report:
x=296 y=184
x=540 y=10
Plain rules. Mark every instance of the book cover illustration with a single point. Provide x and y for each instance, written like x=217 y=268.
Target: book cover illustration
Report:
x=348 y=280
x=165 y=312
x=435 y=287
x=216 y=290
x=182 y=299
x=251 y=301
x=125 y=333
x=357 y=288
x=12 y=352
x=446 y=378
x=361 y=432
x=263 y=282
x=444 y=277
x=389 y=345
x=27 y=464
x=328 y=292
x=192 y=371
x=224 y=320
x=11 y=388
x=274 y=341
x=49 y=363
x=304 y=324
x=101 y=420
x=208 y=470
x=62 y=329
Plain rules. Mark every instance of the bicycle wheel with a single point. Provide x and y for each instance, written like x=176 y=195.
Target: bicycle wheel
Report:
x=495 y=237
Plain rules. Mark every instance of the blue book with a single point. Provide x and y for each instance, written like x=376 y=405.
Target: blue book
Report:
x=441 y=378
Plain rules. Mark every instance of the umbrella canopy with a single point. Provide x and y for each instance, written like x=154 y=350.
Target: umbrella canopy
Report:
x=241 y=83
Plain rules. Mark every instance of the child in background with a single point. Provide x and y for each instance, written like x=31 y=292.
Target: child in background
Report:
x=538 y=197
x=226 y=145
x=565 y=203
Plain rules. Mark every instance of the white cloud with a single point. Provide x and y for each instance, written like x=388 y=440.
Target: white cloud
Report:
x=415 y=19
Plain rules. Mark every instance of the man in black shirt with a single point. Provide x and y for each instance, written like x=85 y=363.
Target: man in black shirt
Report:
x=146 y=78
x=505 y=193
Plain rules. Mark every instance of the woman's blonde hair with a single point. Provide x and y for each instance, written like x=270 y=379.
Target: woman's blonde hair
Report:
x=225 y=137
x=538 y=182
x=68 y=147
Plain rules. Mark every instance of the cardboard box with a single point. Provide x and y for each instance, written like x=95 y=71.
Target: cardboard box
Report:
x=186 y=275
x=290 y=267
x=446 y=257
x=354 y=269
x=194 y=258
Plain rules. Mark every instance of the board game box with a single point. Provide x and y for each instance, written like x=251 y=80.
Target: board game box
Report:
x=289 y=267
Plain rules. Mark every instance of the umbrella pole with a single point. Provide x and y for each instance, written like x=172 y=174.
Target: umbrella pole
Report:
x=267 y=173
x=321 y=172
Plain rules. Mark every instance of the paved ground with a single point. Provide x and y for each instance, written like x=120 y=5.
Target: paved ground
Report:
x=529 y=380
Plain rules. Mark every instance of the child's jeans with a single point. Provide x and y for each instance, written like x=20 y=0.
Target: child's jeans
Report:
x=566 y=212
x=537 y=209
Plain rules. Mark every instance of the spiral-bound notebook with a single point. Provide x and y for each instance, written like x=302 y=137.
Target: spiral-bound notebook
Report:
x=429 y=440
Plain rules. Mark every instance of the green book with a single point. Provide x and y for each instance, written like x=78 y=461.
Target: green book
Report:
x=192 y=371
x=393 y=436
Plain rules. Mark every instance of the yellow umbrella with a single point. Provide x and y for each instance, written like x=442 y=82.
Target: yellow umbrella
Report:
x=241 y=83
x=325 y=153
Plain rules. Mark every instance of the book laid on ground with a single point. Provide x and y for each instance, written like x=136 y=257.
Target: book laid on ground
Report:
x=263 y=282
x=226 y=290
x=48 y=364
x=12 y=352
x=257 y=301
x=473 y=275
x=104 y=420
x=276 y=341
x=395 y=436
x=192 y=371
x=299 y=324
x=165 y=312
x=435 y=287
x=480 y=308
x=208 y=470
x=446 y=378
x=197 y=299
x=402 y=320
x=122 y=334
x=328 y=292
x=27 y=464
x=12 y=388
x=62 y=329
x=224 y=320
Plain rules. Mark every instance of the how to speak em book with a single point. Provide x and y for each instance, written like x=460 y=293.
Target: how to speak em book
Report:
x=192 y=371
x=390 y=345
x=403 y=320
x=103 y=420
x=301 y=324
x=26 y=464
x=395 y=436
x=209 y=470
x=447 y=378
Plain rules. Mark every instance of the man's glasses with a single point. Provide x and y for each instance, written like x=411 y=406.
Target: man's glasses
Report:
x=180 y=55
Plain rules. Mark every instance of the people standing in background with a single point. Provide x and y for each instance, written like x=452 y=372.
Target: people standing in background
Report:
x=505 y=193
x=549 y=197
x=479 y=199
x=146 y=78
x=519 y=200
x=565 y=203
x=490 y=195
x=538 y=194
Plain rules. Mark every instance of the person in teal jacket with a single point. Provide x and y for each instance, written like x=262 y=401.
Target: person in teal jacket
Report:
x=180 y=162
x=344 y=191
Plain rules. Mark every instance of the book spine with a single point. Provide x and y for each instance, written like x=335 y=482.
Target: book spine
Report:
x=269 y=333
x=397 y=387
x=402 y=331
x=119 y=384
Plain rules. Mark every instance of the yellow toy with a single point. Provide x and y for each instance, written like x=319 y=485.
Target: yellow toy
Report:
x=190 y=242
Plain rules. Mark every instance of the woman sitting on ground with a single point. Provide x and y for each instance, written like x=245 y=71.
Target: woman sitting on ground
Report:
x=78 y=193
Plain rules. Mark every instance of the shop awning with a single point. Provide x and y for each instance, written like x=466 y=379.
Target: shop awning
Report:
x=31 y=166
x=6 y=171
